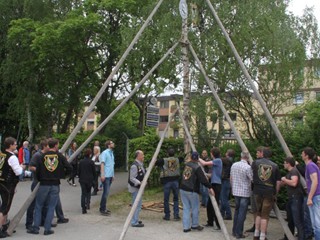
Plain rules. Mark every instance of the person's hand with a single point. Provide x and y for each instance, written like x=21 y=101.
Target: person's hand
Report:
x=23 y=166
x=309 y=202
x=211 y=192
x=103 y=179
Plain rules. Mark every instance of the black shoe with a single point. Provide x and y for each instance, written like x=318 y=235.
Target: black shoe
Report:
x=140 y=222
x=32 y=231
x=3 y=234
x=5 y=226
x=105 y=213
x=187 y=230
x=177 y=218
x=29 y=227
x=63 y=220
x=208 y=225
x=48 y=232
x=199 y=228
x=54 y=225
x=88 y=207
x=84 y=211
x=166 y=218
x=138 y=225
x=251 y=229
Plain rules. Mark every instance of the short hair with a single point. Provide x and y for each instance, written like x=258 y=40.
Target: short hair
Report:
x=259 y=149
x=8 y=141
x=137 y=153
x=267 y=153
x=87 y=152
x=170 y=152
x=245 y=155
x=25 y=143
x=290 y=161
x=108 y=142
x=52 y=142
x=43 y=143
x=215 y=151
x=309 y=152
x=230 y=153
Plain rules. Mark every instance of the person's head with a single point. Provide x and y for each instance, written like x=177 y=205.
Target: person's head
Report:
x=44 y=145
x=109 y=144
x=25 y=144
x=170 y=152
x=230 y=153
x=215 y=152
x=245 y=155
x=96 y=143
x=195 y=156
x=87 y=152
x=308 y=154
x=139 y=155
x=73 y=145
x=289 y=163
x=96 y=150
x=53 y=143
x=267 y=153
x=204 y=154
x=259 y=152
x=10 y=144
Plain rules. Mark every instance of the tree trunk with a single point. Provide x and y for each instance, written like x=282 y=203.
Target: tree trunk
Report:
x=30 y=127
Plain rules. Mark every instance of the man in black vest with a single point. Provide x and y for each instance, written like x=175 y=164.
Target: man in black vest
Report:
x=169 y=177
x=10 y=170
x=136 y=176
x=49 y=171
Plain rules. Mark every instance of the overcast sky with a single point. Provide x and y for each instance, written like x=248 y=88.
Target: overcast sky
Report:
x=297 y=7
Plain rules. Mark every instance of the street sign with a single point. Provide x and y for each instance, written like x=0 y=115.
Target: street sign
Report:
x=152 y=119
x=150 y=123
x=152 y=109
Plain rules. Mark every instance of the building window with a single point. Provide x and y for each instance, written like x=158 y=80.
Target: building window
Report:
x=164 y=104
x=176 y=133
x=298 y=99
x=164 y=119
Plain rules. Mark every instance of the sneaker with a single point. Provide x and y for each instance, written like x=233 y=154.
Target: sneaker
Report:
x=105 y=213
x=138 y=225
x=74 y=185
x=48 y=232
x=199 y=228
x=187 y=230
x=63 y=220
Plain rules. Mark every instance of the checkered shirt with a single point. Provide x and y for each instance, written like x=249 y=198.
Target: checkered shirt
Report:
x=241 y=178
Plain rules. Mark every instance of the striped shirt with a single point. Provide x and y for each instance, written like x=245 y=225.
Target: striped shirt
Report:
x=241 y=178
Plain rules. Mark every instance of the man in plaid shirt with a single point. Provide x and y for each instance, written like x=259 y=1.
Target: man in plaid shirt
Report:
x=241 y=178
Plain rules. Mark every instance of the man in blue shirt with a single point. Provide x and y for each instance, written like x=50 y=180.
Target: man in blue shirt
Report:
x=107 y=175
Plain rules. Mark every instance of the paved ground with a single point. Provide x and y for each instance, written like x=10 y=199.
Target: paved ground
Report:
x=94 y=226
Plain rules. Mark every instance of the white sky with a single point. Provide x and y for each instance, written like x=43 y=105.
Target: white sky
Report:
x=297 y=7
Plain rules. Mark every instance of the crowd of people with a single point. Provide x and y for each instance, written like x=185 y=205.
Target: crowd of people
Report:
x=256 y=183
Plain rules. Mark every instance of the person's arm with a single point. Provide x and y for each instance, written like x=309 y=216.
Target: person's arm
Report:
x=15 y=165
x=67 y=166
x=102 y=161
x=133 y=175
x=293 y=182
x=204 y=163
x=314 y=185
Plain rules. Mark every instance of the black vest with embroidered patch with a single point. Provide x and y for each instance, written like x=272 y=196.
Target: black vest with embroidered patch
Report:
x=139 y=176
x=189 y=181
x=50 y=170
x=7 y=175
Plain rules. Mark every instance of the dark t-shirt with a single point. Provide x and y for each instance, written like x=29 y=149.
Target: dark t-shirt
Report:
x=297 y=190
x=265 y=176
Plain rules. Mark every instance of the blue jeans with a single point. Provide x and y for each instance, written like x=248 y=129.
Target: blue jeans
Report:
x=224 y=198
x=30 y=211
x=46 y=195
x=106 y=189
x=315 y=216
x=240 y=213
x=308 y=231
x=204 y=195
x=190 y=201
x=167 y=187
x=135 y=218
x=295 y=215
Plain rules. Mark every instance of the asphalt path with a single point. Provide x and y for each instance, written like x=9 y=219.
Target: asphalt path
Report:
x=95 y=226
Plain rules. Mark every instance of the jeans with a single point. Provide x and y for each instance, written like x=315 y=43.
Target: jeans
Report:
x=240 y=213
x=190 y=201
x=106 y=189
x=85 y=195
x=30 y=211
x=135 y=218
x=204 y=194
x=210 y=211
x=167 y=187
x=295 y=215
x=308 y=231
x=224 y=198
x=46 y=195
x=59 y=211
x=315 y=216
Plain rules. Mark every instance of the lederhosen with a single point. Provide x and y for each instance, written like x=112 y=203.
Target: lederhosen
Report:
x=8 y=183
